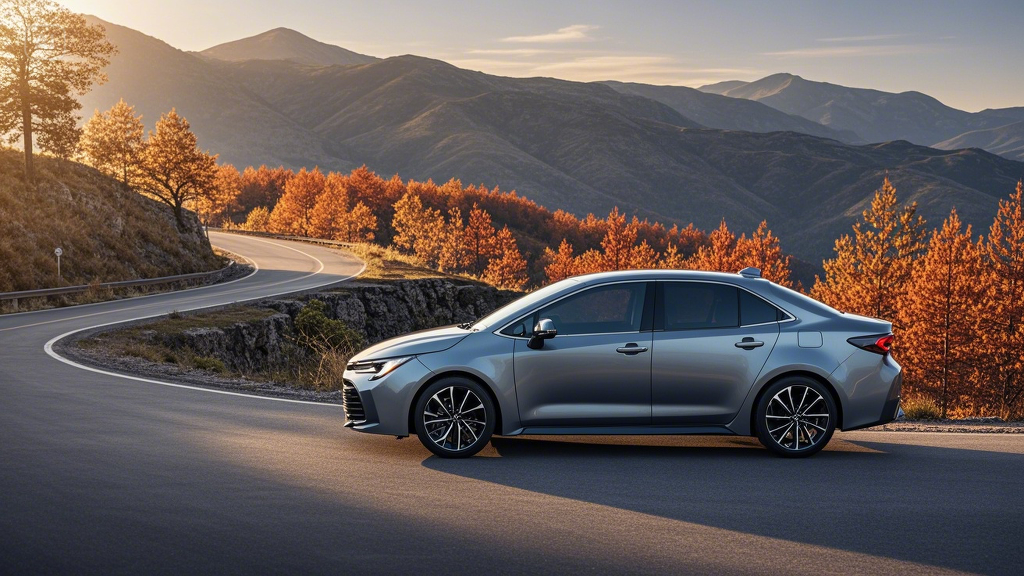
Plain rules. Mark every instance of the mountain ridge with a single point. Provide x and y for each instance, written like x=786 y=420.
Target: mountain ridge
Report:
x=286 y=44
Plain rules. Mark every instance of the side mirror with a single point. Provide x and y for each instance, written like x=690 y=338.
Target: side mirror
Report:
x=544 y=329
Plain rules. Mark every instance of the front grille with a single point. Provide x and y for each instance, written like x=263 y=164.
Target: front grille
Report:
x=353 y=405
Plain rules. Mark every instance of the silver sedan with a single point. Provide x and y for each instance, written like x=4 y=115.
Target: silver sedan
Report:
x=634 y=352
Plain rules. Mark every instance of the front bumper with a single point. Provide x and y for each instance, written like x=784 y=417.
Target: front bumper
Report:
x=382 y=406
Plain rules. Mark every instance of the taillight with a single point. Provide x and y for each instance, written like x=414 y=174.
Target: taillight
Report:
x=878 y=343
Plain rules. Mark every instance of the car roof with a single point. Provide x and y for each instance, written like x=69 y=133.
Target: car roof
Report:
x=600 y=277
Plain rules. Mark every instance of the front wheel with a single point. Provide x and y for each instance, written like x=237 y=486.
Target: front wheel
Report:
x=796 y=417
x=454 y=417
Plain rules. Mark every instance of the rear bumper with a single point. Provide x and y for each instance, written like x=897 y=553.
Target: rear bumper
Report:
x=891 y=409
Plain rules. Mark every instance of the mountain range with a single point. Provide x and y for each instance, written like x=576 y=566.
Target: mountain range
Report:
x=673 y=154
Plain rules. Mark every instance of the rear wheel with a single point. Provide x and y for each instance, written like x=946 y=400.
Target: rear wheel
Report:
x=796 y=417
x=454 y=417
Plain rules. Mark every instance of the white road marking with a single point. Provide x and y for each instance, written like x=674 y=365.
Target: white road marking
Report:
x=49 y=345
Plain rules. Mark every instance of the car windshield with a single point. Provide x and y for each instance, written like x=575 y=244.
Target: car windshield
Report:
x=523 y=303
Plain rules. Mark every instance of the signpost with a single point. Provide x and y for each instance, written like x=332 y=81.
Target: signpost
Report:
x=59 y=251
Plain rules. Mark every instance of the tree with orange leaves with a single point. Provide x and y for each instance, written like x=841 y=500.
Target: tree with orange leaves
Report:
x=1004 y=305
x=562 y=264
x=331 y=208
x=507 y=270
x=175 y=171
x=293 y=212
x=215 y=203
x=672 y=259
x=619 y=239
x=762 y=250
x=871 y=270
x=262 y=187
x=719 y=254
x=454 y=255
x=418 y=228
x=479 y=238
x=941 y=312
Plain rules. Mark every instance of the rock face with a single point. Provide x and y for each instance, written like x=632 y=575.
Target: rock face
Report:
x=378 y=311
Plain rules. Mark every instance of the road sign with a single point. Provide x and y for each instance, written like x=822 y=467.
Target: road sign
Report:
x=59 y=252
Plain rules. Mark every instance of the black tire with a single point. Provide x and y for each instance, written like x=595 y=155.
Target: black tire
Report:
x=447 y=417
x=795 y=417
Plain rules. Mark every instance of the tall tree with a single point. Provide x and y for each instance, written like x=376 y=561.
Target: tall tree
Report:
x=48 y=55
x=330 y=208
x=871 y=270
x=941 y=318
x=507 y=270
x=262 y=187
x=294 y=211
x=619 y=239
x=454 y=255
x=561 y=262
x=479 y=238
x=719 y=255
x=113 y=144
x=1004 y=306
x=176 y=171
x=762 y=250
x=215 y=203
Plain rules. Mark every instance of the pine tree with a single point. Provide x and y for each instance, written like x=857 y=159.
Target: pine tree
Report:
x=562 y=264
x=762 y=250
x=479 y=237
x=672 y=259
x=871 y=270
x=1004 y=305
x=507 y=270
x=940 y=311
x=262 y=187
x=357 y=225
x=619 y=239
x=112 y=143
x=719 y=254
x=294 y=211
x=330 y=210
x=454 y=255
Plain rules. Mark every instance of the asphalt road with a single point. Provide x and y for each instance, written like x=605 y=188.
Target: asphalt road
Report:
x=101 y=474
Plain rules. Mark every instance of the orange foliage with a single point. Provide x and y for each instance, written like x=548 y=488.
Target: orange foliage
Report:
x=293 y=212
x=941 y=311
x=508 y=269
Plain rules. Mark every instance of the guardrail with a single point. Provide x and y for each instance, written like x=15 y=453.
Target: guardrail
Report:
x=45 y=292
x=305 y=239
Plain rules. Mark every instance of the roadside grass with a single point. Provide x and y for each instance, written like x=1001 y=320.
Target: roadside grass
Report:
x=387 y=263
x=921 y=408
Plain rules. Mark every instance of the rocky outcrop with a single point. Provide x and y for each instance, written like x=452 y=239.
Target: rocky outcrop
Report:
x=377 y=311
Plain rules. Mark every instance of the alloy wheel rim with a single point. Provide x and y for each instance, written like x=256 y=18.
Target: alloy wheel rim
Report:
x=454 y=418
x=797 y=418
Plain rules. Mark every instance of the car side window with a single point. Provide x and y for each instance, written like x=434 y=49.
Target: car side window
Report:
x=754 y=310
x=698 y=305
x=598 y=310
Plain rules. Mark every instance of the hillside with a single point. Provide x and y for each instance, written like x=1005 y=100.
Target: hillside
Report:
x=717 y=111
x=874 y=115
x=229 y=120
x=582 y=147
x=1007 y=141
x=107 y=233
x=285 y=44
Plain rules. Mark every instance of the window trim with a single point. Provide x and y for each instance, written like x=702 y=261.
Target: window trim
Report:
x=643 y=319
x=660 y=291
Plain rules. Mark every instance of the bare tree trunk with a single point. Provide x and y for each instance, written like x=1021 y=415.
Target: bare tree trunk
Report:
x=26 y=129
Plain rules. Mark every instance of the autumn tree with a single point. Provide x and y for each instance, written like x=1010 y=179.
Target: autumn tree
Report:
x=418 y=228
x=762 y=250
x=214 y=203
x=262 y=187
x=48 y=56
x=112 y=143
x=175 y=171
x=719 y=254
x=619 y=238
x=1004 y=305
x=479 y=239
x=871 y=270
x=940 y=310
x=507 y=270
x=330 y=208
x=294 y=211
x=454 y=256
x=258 y=220
x=561 y=263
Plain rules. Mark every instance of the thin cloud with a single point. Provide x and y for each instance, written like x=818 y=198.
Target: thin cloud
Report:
x=574 y=33
x=854 y=51
x=510 y=51
x=873 y=38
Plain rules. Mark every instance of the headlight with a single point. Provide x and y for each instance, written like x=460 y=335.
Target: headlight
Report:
x=379 y=368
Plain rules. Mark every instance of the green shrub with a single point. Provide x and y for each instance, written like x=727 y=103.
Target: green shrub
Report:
x=210 y=364
x=921 y=409
x=320 y=333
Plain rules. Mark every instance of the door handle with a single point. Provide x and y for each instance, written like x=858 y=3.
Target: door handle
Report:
x=631 y=349
x=749 y=343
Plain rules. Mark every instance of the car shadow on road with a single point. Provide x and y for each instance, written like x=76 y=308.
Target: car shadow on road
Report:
x=953 y=508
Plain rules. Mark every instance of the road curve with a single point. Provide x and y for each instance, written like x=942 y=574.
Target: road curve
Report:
x=101 y=474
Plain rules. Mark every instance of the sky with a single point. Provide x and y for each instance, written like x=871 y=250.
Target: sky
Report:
x=969 y=54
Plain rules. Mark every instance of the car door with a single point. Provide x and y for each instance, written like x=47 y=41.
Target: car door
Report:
x=597 y=370
x=711 y=341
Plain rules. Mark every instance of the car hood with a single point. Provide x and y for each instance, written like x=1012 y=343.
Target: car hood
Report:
x=422 y=342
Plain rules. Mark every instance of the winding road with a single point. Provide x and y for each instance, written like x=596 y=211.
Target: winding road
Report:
x=105 y=474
